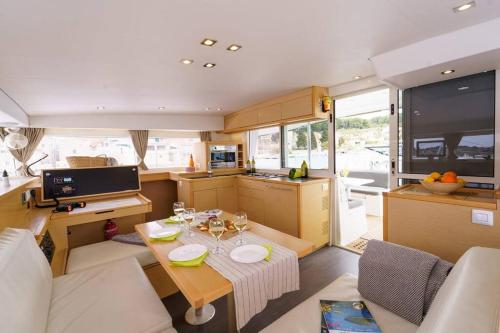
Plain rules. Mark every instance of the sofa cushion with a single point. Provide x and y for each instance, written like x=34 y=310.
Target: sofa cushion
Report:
x=87 y=256
x=116 y=297
x=25 y=283
x=306 y=317
x=469 y=299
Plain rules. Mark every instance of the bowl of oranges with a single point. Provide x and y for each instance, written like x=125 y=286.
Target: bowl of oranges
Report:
x=442 y=184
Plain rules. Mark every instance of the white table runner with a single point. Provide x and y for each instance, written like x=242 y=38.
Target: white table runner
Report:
x=253 y=284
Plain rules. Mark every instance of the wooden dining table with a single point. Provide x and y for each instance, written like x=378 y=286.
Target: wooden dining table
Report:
x=202 y=285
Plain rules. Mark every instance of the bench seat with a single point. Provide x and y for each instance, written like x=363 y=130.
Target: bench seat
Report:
x=91 y=255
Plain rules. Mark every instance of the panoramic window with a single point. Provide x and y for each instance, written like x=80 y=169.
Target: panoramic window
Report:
x=168 y=152
x=264 y=146
x=306 y=142
x=450 y=125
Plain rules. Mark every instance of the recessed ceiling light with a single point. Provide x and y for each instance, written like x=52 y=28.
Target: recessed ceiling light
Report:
x=209 y=65
x=207 y=109
x=187 y=61
x=208 y=42
x=448 y=71
x=233 y=47
x=463 y=88
x=464 y=7
x=100 y=107
x=357 y=77
x=219 y=109
x=161 y=108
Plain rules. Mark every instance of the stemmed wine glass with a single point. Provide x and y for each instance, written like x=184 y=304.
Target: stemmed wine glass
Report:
x=178 y=210
x=216 y=229
x=240 y=223
x=189 y=218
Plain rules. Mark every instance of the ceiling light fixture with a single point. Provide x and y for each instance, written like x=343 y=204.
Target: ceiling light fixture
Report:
x=100 y=107
x=161 y=108
x=219 y=109
x=448 y=71
x=208 y=42
x=15 y=140
x=207 y=109
x=209 y=65
x=233 y=47
x=187 y=61
x=464 y=7
x=357 y=77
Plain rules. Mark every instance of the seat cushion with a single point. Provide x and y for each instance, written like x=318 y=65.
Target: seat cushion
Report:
x=469 y=299
x=104 y=252
x=116 y=297
x=25 y=283
x=306 y=317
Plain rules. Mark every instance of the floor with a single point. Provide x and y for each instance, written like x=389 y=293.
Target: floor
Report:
x=375 y=231
x=316 y=271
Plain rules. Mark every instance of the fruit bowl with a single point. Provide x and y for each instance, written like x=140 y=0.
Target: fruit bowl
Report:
x=441 y=188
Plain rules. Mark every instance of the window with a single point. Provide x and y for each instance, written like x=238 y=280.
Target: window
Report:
x=306 y=142
x=168 y=149
x=7 y=161
x=450 y=125
x=59 y=144
x=264 y=146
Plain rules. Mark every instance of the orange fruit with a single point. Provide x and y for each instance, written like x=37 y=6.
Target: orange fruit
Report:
x=448 y=178
x=450 y=173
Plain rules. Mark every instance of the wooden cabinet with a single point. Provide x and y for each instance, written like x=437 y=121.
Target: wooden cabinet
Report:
x=205 y=199
x=208 y=193
x=201 y=153
x=226 y=199
x=281 y=208
x=301 y=105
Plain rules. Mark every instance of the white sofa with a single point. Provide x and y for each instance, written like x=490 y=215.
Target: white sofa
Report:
x=468 y=301
x=116 y=297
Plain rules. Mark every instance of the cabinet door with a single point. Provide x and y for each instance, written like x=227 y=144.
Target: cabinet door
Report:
x=241 y=119
x=298 y=107
x=251 y=201
x=281 y=209
x=226 y=199
x=205 y=199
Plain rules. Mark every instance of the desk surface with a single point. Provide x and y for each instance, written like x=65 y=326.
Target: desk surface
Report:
x=202 y=285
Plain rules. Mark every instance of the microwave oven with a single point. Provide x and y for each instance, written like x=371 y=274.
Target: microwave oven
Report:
x=223 y=156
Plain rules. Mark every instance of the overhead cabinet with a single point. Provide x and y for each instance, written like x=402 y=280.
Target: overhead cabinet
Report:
x=305 y=104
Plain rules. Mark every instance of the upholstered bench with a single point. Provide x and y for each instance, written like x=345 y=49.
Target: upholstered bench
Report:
x=114 y=297
x=91 y=255
x=468 y=301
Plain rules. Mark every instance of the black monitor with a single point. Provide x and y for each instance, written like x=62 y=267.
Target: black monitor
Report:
x=84 y=182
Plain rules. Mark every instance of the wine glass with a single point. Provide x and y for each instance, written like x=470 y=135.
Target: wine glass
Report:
x=178 y=210
x=189 y=218
x=240 y=223
x=216 y=229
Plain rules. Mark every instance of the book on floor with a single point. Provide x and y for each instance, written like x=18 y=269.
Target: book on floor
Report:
x=346 y=317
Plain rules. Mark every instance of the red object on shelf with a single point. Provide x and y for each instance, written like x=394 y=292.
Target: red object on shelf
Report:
x=110 y=230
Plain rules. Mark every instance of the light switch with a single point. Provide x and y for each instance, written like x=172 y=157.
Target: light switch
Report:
x=324 y=187
x=483 y=217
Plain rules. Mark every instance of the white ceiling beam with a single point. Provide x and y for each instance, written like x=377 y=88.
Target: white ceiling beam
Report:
x=127 y=121
x=11 y=114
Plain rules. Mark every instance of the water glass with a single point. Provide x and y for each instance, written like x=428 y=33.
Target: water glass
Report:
x=240 y=223
x=178 y=210
x=189 y=218
x=216 y=228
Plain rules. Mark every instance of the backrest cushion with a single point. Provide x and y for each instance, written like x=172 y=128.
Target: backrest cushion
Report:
x=25 y=283
x=469 y=299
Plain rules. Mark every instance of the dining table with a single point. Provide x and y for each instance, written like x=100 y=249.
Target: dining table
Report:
x=203 y=285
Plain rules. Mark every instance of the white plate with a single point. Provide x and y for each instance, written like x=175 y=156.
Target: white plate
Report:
x=187 y=252
x=248 y=254
x=165 y=232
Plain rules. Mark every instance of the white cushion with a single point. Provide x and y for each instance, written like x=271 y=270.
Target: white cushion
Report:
x=306 y=317
x=469 y=299
x=116 y=297
x=25 y=283
x=100 y=253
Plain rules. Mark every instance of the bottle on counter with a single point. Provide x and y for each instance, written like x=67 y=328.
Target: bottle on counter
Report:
x=209 y=168
x=191 y=161
x=253 y=170
x=249 y=166
x=5 y=179
x=304 y=169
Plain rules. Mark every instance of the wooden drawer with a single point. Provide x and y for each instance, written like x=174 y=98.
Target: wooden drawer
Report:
x=252 y=184
x=213 y=183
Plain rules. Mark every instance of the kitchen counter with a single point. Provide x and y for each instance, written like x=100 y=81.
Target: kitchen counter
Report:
x=285 y=180
x=15 y=183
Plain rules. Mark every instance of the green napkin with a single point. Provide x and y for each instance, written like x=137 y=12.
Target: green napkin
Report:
x=269 y=250
x=170 y=220
x=190 y=263
x=168 y=238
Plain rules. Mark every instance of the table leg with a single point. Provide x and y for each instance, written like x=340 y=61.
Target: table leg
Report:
x=201 y=315
x=231 y=314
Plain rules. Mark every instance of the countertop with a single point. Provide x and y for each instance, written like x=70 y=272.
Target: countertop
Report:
x=464 y=197
x=15 y=183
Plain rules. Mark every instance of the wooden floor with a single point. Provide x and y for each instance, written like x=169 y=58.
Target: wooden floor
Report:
x=316 y=271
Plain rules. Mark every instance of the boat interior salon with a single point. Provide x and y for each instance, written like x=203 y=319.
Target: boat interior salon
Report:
x=227 y=166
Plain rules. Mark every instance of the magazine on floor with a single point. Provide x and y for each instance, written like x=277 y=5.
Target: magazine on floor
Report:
x=346 y=317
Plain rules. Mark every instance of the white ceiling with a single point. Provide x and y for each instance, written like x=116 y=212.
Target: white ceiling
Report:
x=69 y=56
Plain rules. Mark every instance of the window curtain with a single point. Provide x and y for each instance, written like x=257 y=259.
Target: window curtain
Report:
x=34 y=136
x=205 y=136
x=140 y=141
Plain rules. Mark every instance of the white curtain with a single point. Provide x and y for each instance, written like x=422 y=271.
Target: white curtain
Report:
x=23 y=155
x=140 y=141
